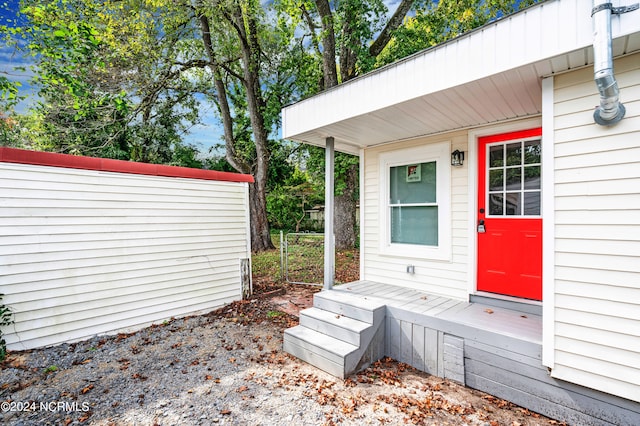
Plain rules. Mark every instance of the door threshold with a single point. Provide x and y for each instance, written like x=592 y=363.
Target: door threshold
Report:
x=527 y=306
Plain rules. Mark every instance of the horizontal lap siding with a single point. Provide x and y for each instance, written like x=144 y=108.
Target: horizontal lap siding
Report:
x=447 y=278
x=87 y=252
x=597 y=239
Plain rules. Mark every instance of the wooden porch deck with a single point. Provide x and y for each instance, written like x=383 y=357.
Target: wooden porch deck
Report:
x=505 y=321
x=492 y=346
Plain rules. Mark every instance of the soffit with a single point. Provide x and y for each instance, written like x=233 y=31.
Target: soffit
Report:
x=490 y=75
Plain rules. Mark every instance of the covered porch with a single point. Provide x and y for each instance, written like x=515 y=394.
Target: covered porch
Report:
x=425 y=301
x=487 y=344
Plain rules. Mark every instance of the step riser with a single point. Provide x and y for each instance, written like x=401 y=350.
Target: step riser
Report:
x=313 y=358
x=330 y=329
x=312 y=347
x=340 y=308
x=340 y=334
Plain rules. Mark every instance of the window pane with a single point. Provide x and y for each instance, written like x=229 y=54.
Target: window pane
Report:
x=413 y=183
x=514 y=178
x=532 y=151
x=513 y=205
x=514 y=154
x=532 y=177
x=532 y=203
x=414 y=225
x=495 y=180
x=495 y=156
x=496 y=202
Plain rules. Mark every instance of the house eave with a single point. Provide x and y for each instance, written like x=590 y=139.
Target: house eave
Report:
x=490 y=75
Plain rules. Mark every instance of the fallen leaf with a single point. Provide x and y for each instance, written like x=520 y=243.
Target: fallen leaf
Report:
x=225 y=412
x=489 y=311
x=87 y=389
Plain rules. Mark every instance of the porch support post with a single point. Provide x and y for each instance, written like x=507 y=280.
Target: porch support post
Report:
x=329 y=240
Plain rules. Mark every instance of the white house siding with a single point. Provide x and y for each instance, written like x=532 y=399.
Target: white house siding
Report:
x=89 y=252
x=447 y=278
x=597 y=235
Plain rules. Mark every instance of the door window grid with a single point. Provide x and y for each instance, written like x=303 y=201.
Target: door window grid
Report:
x=513 y=178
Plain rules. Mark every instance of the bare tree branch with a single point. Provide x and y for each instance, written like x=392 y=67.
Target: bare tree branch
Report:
x=394 y=22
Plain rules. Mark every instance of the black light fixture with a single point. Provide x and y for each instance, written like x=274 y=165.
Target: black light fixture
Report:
x=457 y=158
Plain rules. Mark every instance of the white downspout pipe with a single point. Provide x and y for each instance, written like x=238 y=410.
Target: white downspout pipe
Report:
x=611 y=109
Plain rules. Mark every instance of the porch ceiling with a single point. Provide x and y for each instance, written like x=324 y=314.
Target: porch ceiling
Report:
x=509 y=95
x=489 y=75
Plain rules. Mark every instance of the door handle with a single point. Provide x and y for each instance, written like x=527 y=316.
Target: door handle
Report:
x=481 y=228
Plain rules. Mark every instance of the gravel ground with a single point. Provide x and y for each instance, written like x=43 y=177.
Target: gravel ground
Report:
x=226 y=367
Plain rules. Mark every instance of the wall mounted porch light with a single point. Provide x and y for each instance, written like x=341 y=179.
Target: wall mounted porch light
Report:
x=457 y=158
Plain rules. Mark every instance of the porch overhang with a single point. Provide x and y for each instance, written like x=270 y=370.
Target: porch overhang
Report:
x=489 y=75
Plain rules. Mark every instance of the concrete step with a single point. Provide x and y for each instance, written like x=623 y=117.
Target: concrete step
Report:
x=335 y=325
x=350 y=306
x=322 y=351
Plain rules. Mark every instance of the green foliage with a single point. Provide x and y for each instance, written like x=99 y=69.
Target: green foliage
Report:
x=101 y=90
x=288 y=201
x=9 y=126
x=5 y=319
x=437 y=22
x=50 y=369
x=342 y=162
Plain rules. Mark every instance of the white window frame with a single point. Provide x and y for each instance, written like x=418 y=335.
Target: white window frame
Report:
x=441 y=155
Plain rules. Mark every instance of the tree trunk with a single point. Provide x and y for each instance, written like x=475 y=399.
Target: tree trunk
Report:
x=345 y=211
x=329 y=70
x=247 y=29
x=260 y=235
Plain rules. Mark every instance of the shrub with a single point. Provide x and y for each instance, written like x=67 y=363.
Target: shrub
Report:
x=5 y=319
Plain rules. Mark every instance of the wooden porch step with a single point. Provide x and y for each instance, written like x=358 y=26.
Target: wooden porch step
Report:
x=318 y=349
x=341 y=334
x=350 y=306
x=336 y=325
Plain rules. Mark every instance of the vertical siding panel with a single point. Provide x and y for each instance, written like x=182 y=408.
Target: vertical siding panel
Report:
x=419 y=347
x=393 y=338
x=406 y=342
x=431 y=351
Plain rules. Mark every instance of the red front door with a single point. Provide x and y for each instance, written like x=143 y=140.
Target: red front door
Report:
x=509 y=214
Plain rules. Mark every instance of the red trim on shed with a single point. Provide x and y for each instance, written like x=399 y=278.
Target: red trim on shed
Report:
x=21 y=156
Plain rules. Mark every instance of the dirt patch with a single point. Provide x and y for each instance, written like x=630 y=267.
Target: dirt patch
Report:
x=228 y=367
x=295 y=298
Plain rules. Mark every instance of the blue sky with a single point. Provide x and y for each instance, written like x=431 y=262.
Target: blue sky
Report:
x=9 y=58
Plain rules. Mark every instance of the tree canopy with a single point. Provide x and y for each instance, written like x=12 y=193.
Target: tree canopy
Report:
x=128 y=79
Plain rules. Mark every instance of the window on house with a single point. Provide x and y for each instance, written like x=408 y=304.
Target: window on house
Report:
x=415 y=202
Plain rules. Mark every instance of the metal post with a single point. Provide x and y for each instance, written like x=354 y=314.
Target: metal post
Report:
x=329 y=241
x=281 y=255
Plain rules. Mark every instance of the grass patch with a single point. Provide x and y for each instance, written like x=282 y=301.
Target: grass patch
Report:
x=305 y=263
